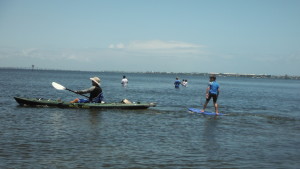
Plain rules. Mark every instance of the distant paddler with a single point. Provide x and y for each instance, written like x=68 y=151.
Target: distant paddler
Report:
x=96 y=95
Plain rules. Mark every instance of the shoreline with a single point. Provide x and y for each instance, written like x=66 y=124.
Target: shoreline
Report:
x=258 y=76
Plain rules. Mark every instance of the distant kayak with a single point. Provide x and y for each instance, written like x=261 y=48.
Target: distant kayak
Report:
x=36 y=102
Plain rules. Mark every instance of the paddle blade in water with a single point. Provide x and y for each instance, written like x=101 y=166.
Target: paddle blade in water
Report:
x=58 y=86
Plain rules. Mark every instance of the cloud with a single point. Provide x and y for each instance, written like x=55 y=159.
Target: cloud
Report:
x=29 y=51
x=46 y=54
x=130 y=50
x=119 y=56
x=156 y=45
x=117 y=46
x=160 y=48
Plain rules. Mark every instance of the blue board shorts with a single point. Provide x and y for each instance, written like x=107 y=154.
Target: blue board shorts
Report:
x=83 y=101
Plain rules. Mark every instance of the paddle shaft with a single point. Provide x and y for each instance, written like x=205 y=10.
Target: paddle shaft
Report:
x=61 y=87
x=77 y=93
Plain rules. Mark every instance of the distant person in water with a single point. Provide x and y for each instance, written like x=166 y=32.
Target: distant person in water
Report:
x=177 y=83
x=96 y=95
x=124 y=81
x=212 y=91
x=184 y=83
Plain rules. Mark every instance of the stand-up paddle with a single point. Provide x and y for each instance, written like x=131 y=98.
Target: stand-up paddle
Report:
x=61 y=87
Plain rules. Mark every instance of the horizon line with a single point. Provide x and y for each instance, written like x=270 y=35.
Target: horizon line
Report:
x=162 y=72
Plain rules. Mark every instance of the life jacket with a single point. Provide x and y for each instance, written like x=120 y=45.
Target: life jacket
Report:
x=96 y=95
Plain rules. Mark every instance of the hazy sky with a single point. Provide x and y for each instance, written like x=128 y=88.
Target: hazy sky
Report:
x=228 y=36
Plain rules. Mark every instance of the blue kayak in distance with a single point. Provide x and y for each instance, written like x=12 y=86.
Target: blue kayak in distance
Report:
x=195 y=110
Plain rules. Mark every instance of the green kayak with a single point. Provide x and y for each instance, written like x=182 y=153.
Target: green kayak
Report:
x=35 y=102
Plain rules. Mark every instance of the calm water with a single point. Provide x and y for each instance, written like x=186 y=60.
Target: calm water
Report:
x=261 y=129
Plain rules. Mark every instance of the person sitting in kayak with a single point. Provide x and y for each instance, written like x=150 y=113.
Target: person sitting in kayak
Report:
x=96 y=95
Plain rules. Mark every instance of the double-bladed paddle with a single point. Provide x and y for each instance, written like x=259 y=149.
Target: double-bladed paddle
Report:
x=61 y=87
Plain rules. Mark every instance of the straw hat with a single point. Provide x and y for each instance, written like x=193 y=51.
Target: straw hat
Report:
x=96 y=80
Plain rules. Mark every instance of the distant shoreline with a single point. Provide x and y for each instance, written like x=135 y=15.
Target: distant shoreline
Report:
x=263 y=76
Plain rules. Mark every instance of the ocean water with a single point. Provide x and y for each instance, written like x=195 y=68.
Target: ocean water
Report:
x=261 y=128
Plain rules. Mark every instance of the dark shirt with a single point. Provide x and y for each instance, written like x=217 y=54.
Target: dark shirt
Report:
x=94 y=91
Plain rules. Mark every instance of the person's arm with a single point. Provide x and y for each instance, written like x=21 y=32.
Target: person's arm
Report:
x=207 y=91
x=89 y=90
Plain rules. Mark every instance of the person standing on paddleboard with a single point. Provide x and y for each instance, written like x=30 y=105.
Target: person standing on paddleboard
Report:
x=96 y=95
x=212 y=91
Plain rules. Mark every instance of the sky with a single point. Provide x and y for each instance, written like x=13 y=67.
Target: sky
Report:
x=221 y=36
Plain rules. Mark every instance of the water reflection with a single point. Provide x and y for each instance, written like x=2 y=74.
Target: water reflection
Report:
x=55 y=125
x=211 y=144
x=95 y=117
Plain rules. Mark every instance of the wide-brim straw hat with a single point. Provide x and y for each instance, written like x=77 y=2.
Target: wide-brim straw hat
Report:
x=96 y=80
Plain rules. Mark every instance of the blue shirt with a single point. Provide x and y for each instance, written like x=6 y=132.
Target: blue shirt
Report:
x=177 y=83
x=213 y=87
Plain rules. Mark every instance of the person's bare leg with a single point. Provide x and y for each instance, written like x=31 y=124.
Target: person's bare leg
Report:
x=216 y=108
x=204 y=106
x=74 y=101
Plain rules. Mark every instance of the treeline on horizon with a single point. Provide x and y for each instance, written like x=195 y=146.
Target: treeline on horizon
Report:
x=177 y=73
